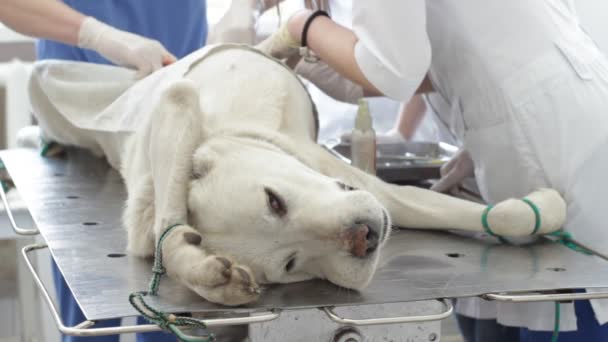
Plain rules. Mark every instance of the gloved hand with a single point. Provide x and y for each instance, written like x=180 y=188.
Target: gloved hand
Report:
x=280 y=44
x=123 y=48
x=454 y=172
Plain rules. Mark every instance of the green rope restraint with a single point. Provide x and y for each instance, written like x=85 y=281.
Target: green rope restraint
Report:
x=3 y=183
x=168 y=322
x=555 y=334
x=566 y=239
x=486 y=225
x=45 y=149
x=536 y=215
x=562 y=237
x=49 y=147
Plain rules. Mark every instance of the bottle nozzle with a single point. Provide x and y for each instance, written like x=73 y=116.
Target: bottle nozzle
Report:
x=363 y=121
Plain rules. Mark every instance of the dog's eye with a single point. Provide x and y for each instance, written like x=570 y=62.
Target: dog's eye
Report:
x=275 y=203
x=290 y=264
x=345 y=187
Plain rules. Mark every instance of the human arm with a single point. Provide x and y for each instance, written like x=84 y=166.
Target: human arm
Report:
x=334 y=44
x=387 y=52
x=410 y=116
x=51 y=19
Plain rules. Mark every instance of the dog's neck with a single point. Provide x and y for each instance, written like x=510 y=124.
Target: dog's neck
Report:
x=272 y=139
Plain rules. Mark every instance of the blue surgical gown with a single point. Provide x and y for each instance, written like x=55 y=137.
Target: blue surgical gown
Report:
x=180 y=25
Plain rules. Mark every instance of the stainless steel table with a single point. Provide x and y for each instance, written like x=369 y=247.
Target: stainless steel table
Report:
x=76 y=203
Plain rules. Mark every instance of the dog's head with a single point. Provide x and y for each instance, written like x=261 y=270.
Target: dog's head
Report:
x=256 y=202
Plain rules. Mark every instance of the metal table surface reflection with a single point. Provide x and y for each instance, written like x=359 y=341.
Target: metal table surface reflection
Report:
x=77 y=201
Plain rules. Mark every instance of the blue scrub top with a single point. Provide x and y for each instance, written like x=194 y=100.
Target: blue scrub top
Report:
x=180 y=25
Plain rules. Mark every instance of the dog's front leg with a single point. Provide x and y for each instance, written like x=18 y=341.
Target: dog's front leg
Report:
x=414 y=207
x=176 y=130
x=213 y=277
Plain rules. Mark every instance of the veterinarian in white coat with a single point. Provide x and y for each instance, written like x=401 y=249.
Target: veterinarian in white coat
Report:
x=528 y=94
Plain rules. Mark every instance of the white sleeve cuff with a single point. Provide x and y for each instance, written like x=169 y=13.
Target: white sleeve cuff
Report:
x=391 y=83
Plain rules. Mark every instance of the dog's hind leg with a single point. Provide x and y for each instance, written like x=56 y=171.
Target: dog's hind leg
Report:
x=414 y=207
x=138 y=218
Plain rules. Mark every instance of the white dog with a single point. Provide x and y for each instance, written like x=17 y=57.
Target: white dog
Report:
x=223 y=142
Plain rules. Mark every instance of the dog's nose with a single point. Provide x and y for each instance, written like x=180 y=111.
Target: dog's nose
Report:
x=364 y=240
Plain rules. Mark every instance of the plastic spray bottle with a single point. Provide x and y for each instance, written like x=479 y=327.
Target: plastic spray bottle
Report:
x=363 y=140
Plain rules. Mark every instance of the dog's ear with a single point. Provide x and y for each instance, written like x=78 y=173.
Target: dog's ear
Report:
x=176 y=129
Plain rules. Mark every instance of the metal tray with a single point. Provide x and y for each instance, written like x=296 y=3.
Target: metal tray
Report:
x=404 y=162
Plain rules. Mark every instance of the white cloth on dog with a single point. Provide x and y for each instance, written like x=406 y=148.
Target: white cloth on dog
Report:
x=90 y=95
x=94 y=99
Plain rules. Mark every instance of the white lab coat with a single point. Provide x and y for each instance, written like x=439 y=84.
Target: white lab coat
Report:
x=392 y=51
x=533 y=94
x=338 y=118
x=528 y=95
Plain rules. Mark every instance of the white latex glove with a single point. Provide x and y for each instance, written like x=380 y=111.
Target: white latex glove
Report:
x=123 y=48
x=329 y=81
x=280 y=45
x=455 y=171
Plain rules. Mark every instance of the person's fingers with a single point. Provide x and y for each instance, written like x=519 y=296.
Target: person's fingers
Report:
x=447 y=167
x=168 y=58
x=447 y=182
x=155 y=59
x=455 y=171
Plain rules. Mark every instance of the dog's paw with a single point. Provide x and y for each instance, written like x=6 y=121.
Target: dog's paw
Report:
x=514 y=217
x=222 y=281
x=552 y=208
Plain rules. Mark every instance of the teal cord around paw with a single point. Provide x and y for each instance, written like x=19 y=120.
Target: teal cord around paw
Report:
x=50 y=149
x=486 y=225
x=167 y=322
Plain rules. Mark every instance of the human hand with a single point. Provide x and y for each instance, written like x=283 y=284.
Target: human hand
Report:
x=281 y=44
x=124 y=48
x=454 y=172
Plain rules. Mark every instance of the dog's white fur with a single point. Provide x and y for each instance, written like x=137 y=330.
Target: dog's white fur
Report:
x=238 y=124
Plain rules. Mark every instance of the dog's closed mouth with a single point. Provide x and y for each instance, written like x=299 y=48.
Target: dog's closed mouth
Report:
x=385 y=225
